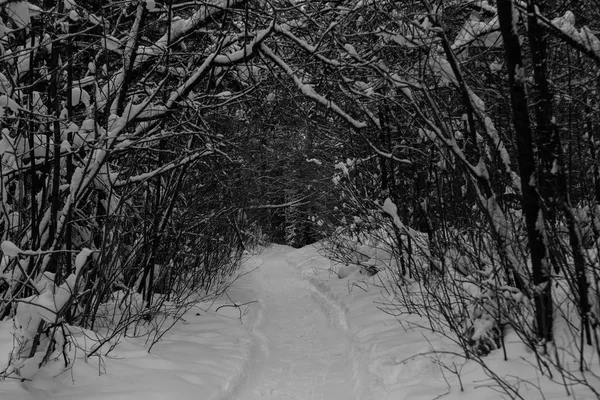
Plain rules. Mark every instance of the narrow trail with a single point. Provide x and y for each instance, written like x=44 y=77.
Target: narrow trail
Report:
x=301 y=352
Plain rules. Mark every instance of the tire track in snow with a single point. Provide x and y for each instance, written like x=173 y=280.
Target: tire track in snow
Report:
x=248 y=285
x=341 y=321
x=366 y=386
x=301 y=350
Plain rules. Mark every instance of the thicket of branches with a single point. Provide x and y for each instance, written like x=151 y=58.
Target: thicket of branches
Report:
x=480 y=173
x=118 y=206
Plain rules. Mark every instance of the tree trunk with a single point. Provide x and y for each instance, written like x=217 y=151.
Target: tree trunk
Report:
x=530 y=202
x=552 y=182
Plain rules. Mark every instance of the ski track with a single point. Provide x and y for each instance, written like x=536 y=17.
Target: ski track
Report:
x=301 y=351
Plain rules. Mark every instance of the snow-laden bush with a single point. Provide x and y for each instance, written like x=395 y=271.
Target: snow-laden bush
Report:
x=101 y=157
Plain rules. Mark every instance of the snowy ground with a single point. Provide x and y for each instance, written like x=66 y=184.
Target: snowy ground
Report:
x=296 y=332
x=203 y=356
x=302 y=351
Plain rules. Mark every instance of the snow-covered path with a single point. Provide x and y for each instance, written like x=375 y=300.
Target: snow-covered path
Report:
x=286 y=329
x=301 y=351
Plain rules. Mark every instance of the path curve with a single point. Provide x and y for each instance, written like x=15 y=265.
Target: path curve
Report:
x=301 y=351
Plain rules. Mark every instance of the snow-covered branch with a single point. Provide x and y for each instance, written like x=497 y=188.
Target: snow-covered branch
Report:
x=182 y=27
x=178 y=29
x=293 y=203
x=307 y=89
x=305 y=45
x=389 y=156
x=164 y=168
x=239 y=56
x=128 y=56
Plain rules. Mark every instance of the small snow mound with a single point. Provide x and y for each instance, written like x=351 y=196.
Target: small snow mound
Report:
x=347 y=270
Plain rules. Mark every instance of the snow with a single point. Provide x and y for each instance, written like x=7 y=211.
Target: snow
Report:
x=18 y=11
x=384 y=353
x=95 y=20
x=288 y=328
x=307 y=89
x=441 y=67
x=314 y=161
x=342 y=167
x=81 y=259
x=167 y=167
x=6 y=101
x=584 y=36
x=5 y=85
x=301 y=352
x=283 y=29
x=150 y=5
x=206 y=352
x=478 y=33
x=65 y=147
x=110 y=42
x=390 y=208
x=351 y=50
x=79 y=95
x=10 y=249
x=246 y=51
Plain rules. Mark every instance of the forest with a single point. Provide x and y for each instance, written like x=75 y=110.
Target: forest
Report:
x=148 y=145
